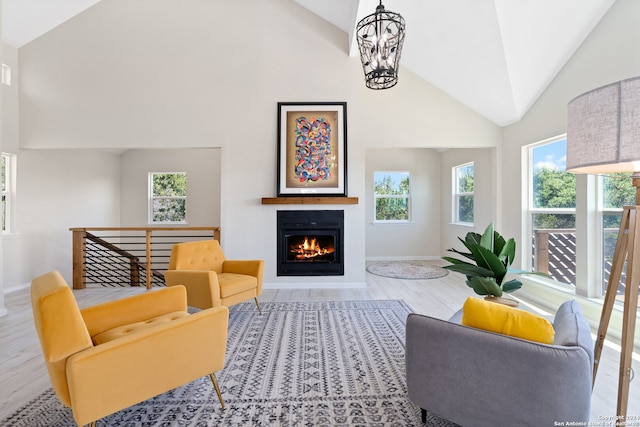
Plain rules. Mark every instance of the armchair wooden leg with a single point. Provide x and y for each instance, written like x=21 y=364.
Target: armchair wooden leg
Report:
x=424 y=415
x=92 y=424
x=215 y=385
x=258 y=304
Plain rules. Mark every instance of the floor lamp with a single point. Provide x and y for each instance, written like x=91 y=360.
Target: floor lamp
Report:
x=603 y=137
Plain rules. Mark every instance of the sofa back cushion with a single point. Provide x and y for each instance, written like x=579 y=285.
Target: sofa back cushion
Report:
x=506 y=320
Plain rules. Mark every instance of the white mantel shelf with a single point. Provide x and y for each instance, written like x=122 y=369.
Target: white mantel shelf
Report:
x=306 y=200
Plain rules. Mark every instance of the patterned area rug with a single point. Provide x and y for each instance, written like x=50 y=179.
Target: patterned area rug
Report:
x=407 y=270
x=299 y=364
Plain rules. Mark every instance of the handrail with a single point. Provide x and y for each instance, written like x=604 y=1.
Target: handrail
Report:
x=80 y=235
x=110 y=246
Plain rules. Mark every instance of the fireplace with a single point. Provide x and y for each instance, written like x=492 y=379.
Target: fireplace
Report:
x=310 y=243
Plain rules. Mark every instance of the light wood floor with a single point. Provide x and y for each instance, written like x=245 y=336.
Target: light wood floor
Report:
x=23 y=375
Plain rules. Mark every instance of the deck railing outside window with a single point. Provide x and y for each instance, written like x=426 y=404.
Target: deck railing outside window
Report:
x=554 y=253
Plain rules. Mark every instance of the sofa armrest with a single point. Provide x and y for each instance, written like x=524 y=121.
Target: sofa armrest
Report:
x=253 y=268
x=143 y=364
x=124 y=311
x=474 y=377
x=203 y=289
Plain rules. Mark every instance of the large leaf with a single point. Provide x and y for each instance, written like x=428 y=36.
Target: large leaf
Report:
x=484 y=286
x=489 y=260
x=471 y=239
x=487 y=239
x=498 y=242
x=464 y=254
x=470 y=270
x=455 y=260
x=511 y=285
x=508 y=252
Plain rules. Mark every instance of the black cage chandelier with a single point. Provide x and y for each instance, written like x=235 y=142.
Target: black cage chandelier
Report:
x=380 y=36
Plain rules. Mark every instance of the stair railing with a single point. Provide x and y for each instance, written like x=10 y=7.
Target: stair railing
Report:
x=111 y=256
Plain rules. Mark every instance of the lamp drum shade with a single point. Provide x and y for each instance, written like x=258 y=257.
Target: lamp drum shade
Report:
x=603 y=129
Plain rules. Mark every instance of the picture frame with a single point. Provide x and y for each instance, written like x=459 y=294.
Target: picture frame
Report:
x=312 y=149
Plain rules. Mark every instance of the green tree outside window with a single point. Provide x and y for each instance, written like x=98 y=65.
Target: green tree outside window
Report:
x=464 y=193
x=168 y=197
x=392 y=193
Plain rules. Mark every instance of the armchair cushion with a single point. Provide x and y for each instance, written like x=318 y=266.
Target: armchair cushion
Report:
x=125 y=311
x=199 y=255
x=121 y=331
x=506 y=320
x=232 y=283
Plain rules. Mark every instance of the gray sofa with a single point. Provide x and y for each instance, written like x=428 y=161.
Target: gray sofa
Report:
x=476 y=378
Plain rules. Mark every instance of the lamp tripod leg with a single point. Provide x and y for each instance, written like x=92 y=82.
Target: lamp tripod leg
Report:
x=629 y=312
x=627 y=248
x=619 y=256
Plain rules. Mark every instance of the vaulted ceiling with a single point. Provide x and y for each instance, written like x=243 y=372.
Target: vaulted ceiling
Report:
x=495 y=56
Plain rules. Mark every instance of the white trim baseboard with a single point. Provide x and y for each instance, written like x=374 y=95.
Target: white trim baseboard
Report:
x=403 y=258
x=17 y=288
x=319 y=285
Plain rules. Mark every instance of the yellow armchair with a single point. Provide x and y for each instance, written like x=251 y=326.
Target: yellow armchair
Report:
x=211 y=279
x=107 y=357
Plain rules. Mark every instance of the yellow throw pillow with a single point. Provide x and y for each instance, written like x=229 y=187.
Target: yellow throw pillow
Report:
x=499 y=318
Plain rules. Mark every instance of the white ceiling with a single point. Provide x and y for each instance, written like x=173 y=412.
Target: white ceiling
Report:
x=495 y=56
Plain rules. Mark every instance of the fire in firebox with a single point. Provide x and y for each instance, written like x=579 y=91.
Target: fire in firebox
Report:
x=311 y=249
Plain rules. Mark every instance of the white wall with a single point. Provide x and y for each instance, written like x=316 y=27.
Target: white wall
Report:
x=10 y=95
x=166 y=74
x=414 y=240
x=202 y=166
x=609 y=54
x=485 y=194
x=58 y=190
x=8 y=137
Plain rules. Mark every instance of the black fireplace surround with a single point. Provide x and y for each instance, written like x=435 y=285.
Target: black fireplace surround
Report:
x=310 y=243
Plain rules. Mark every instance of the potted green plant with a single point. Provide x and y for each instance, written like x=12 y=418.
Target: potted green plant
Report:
x=492 y=256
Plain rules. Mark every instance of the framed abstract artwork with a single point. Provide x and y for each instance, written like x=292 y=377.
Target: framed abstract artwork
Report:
x=312 y=149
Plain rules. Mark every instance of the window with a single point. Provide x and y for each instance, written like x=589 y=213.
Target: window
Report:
x=552 y=211
x=6 y=74
x=392 y=196
x=463 y=183
x=168 y=198
x=617 y=191
x=7 y=175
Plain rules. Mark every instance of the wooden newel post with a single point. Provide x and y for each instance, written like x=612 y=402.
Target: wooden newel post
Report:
x=148 y=272
x=79 y=254
x=542 y=251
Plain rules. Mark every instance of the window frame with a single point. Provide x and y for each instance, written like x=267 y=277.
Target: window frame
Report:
x=529 y=212
x=8 y=192
x=603 y=211
x=6 y=75
x=457 y=194
x=152 y=197
x=377 y=196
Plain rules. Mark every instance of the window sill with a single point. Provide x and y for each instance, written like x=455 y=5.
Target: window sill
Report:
x=548 y=297
x=465 y=225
